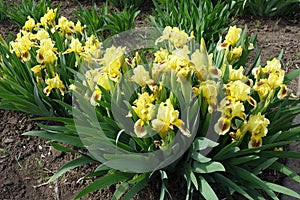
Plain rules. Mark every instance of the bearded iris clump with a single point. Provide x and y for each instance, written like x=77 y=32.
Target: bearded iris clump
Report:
x=206 y=110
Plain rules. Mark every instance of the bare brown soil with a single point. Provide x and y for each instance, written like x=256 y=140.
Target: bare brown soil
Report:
x=26 y=163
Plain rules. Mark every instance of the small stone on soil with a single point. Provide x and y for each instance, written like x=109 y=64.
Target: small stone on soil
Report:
x=8 y=140
x=8 y=182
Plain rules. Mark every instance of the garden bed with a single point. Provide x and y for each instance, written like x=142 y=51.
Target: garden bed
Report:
x=26 y=163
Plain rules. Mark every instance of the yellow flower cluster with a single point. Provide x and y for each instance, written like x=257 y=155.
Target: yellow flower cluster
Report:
x=144 y=106
x=145 y=110
x=257 y=126
x=234 y=118
x=240 y=90
x=186 y=64
x=175 y=36
x=49 y=46
x=232 y=36
x=22 y=45
x=166 y=118
x=268 y=79
x=160 y=115
x=232 y=106
x=36 y=46
x=233 y=50
x=109 y=71
x=241 y=109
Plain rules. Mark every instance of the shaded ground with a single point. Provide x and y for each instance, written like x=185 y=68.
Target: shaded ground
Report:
x=26 y=163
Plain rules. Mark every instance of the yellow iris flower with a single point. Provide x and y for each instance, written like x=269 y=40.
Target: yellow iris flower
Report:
x=79 y=28
x=37 y=69
x=49 y=17
x=166 y=118
x=141 y=76
x=257 y=126
x=229 y=109
x=112 y=61
x=161 y=56
x=93 y=47
x=233 y=35
x=145 y=110
x=256 y=72
x=222 y=126
x=75 y=47
x=96 y=77
x=238 y=90
x=62 y=24
x=282 y=92
x=262 y=88
x=273 y=65
x=177 y=37
x=179 y=64
x=235 y=74
x=235 y=109
x=143 y=106
x=236 y=52
x=45 y=54
x=29 y=24
x=67 y=28
x=22 y=45
x=42 y=34
x=209 y=90
x=54 y=83
x=102 y=80
x=276 y=79
x=179 y=61
x=199 y=61
x=202 y=65
x=255 y=141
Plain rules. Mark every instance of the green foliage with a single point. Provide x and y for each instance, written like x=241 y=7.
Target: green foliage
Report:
x=105 y=22
x=119 y=21
x=128 y=3
x=2 y=8
x=93 y=19
x=205 y=19
x=271 y=8
x=265 y=8
x=18 y=13
x=131 y=183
